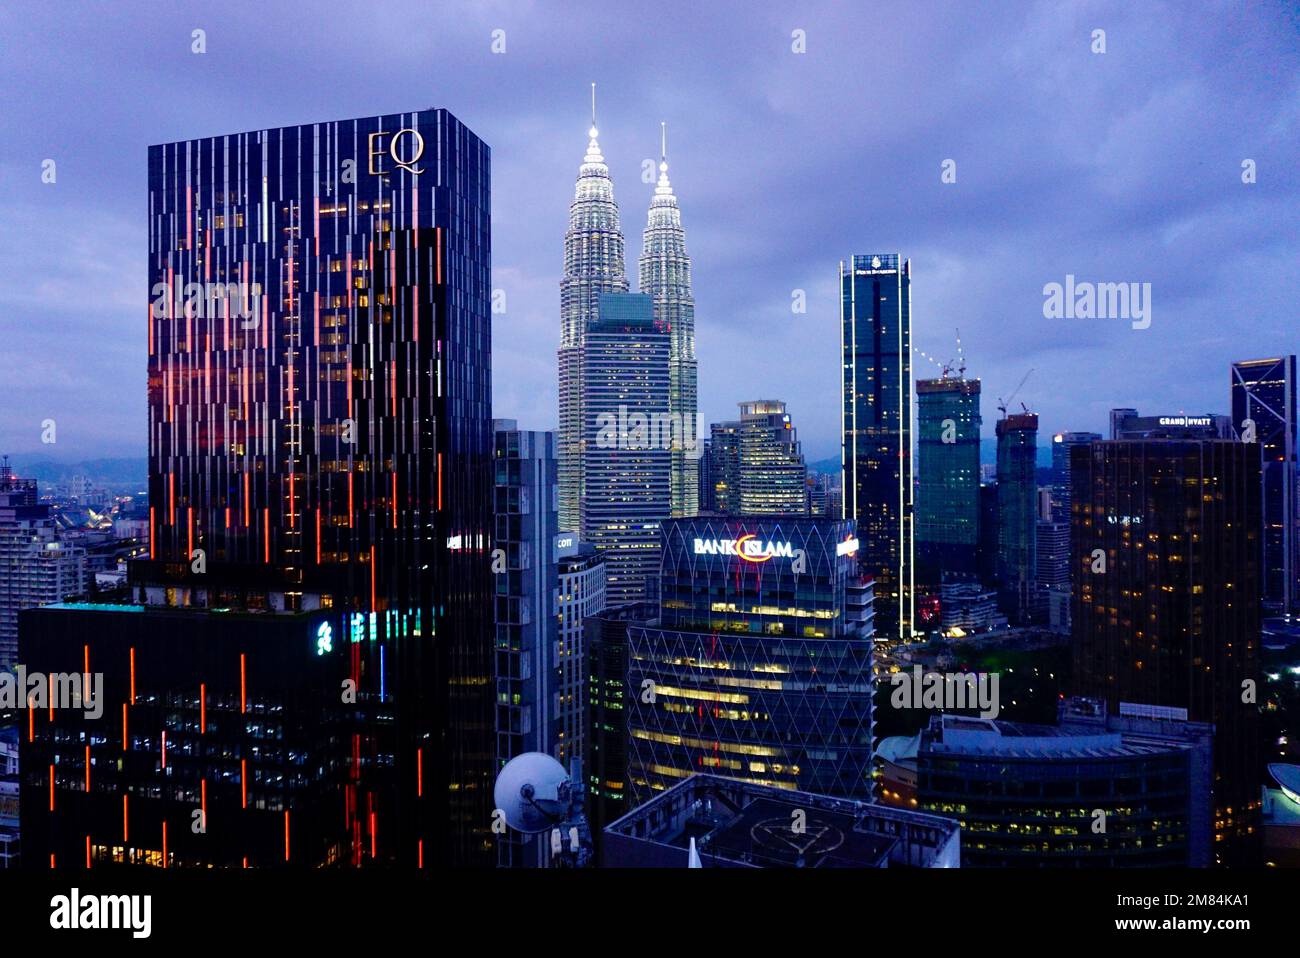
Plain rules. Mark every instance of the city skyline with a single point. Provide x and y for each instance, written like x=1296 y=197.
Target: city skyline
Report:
x=1137 y=153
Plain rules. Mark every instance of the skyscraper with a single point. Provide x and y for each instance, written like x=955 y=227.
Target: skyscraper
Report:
x=1062 y=444
x=758 y=666
x=1165 y=547
x=773 y=476
x=627 y=435
x=876 y=343
x=948 y=473
x=1264 y=411
x=724 y=467
x=665 y=275
x=1017 y=564
x=37 y=567
x=593 y=264
x=320 y=454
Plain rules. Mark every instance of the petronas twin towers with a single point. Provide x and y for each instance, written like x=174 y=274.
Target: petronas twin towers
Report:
x=593 y=265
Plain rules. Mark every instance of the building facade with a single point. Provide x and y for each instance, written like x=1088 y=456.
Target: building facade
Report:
x=1264 y=412
x=773 y=476
x=948 y=479
x=665 y=275
x=876 y=344
x=1017 y=557
x=320 y=441
x=37 y=565
x=627 y=438
x=1166 y=553
x=593 y=264
x=1031 y=796
x=758 y=666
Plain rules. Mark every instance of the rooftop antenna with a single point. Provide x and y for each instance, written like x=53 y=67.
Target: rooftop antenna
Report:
x=961 y=356
x=593 y=109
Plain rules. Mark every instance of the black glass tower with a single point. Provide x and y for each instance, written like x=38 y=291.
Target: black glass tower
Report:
x=320 y=446
x=1264 y=412
x=876 y=343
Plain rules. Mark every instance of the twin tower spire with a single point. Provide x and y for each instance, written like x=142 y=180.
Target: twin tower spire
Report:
x=594 y=263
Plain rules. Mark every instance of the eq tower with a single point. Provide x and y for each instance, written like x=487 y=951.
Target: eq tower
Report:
x=308 y=658
x=876 y=343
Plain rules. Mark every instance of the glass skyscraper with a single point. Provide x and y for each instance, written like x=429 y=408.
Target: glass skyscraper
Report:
x=1264 y=392
x=948 y=478
x=759 y=665
x=320 y=454
x=1165 y=544
x=665 y=274
x=593 y=264
x=1017 y=556
x=876 y=343
x=626 y=459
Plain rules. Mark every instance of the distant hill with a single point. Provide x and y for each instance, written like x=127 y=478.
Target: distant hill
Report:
x=988 y=453
x=117 y=471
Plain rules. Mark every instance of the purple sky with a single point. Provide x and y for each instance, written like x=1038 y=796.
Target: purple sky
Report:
x=1115 y=167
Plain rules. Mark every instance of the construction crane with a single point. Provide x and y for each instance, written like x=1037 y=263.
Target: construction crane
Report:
x=958 y=364
x=1002 y=404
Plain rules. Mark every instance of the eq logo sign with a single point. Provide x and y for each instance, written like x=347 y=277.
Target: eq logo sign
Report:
x=747 y=548
x=404 y=148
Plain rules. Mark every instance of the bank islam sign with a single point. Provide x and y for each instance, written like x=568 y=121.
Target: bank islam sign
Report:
x=750 y=548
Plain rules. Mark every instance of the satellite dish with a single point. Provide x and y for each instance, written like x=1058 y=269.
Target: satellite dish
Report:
x=533 y=791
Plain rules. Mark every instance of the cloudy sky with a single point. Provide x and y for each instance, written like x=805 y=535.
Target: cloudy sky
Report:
x=1122 y=166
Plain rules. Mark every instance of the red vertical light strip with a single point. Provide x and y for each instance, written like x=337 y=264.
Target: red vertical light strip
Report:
x=164 y=748
x=439 y=480
x=124 y=729
x=243 y=684
x=266 y=534
x=203 y=708
x=51 y=859
x=318 y=536
x=87 y=768
x=153 y=536
x=286 y=834
x=164 y=855
x=189 y=530
x=171 y=498
x=51 y=788
x=374 y=834
x=31 y=722
x=87 y=851
x=421 y=865
x=393 y=508
x=373 y=590
x=126 y=821
x=419 y=773
x=133 y=675
x=85 y=659
x=248 y=498
x=243 y=783
x=203 y=800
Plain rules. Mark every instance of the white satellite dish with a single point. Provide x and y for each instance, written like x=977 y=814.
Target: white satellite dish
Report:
x=532 y=790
